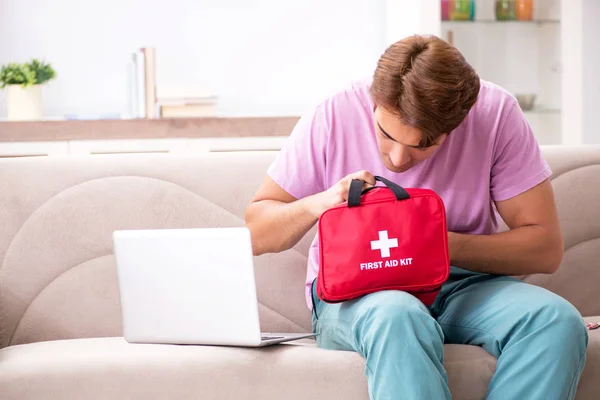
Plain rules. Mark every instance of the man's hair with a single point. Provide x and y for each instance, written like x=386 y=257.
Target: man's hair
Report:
x=428 y=83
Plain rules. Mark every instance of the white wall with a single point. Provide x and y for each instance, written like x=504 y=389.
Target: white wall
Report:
x=572 y=71
x=261 y=57
x=408 y=17
x=581 y=79
x=591 y=71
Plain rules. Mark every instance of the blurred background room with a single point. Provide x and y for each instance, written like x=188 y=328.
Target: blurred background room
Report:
x=94 y=77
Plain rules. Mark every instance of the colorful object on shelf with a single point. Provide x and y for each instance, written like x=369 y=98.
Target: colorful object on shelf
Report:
x=446 y=4
x=524 y=10
x=506 y=10
x=462 y=10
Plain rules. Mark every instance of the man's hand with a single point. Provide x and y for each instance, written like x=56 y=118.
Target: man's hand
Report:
x=338 y=193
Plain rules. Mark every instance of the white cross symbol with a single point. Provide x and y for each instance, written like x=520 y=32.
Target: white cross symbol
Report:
x=384 y=244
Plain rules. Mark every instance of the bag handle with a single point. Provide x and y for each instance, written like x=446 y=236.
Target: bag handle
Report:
x=356 y=185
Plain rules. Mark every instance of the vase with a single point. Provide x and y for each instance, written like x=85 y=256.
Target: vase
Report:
x=506 y=10
x=462 y=10
x=24 y=104
x=524 y=10
x=446 y=4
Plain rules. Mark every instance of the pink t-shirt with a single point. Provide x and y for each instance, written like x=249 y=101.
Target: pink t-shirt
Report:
x=492 y=156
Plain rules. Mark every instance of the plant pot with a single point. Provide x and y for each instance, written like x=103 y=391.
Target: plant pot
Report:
x=24 y=104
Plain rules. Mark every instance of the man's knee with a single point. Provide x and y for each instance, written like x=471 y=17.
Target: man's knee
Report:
x=568 y=320
x=561 y=321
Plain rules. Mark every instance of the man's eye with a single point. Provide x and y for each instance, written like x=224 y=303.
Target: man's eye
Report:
x=385 y=136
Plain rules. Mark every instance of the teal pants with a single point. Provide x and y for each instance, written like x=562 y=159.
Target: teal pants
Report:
x=538 y=338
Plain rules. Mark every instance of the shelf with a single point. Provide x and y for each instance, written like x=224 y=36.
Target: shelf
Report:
x=163 y=128
x=493 y=21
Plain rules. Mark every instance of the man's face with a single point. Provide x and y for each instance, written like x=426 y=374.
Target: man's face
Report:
x=399 y=144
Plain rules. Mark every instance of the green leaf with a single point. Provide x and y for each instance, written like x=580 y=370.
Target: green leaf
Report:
x=16 y=74
x=43 y=71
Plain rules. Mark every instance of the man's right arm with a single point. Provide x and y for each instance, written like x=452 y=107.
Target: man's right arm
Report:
x=277 y=220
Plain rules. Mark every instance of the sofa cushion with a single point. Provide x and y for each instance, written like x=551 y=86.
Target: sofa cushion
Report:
x=112 y=368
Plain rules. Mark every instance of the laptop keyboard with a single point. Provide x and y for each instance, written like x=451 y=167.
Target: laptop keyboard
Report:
x=270 y=337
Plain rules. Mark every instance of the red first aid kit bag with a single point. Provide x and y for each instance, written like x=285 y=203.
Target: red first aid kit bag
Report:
x=383 y=238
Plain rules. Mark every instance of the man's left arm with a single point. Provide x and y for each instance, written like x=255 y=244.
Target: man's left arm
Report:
x=534 y=243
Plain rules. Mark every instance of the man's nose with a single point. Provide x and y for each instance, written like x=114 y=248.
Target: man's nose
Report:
x=399 y=155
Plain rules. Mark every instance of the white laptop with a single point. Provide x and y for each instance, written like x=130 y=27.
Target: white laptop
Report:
x=190 y=286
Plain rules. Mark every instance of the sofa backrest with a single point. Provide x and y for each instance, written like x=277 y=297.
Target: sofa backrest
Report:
x=57 y=272
x=576 y=183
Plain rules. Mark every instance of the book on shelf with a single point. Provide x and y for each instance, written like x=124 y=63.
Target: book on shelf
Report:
x=148 y=100
x=142 y=83
x=150 y=80
x=186 y=110
x=185 y=101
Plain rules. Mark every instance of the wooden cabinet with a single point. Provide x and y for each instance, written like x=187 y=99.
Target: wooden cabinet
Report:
x=184 y=145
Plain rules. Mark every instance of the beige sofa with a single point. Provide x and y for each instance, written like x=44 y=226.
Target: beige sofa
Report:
x=60 y=319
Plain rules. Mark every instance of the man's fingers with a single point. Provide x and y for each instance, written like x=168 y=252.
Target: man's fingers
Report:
x=365 y=176
x=369 y=182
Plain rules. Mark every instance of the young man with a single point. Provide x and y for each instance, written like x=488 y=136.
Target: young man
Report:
x=427 y=120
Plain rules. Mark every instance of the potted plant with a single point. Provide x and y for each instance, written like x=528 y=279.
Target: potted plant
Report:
x=23 y=83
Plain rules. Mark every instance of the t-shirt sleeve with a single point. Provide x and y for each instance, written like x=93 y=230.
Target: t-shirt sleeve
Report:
x=518 y=164
x=299 y=168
